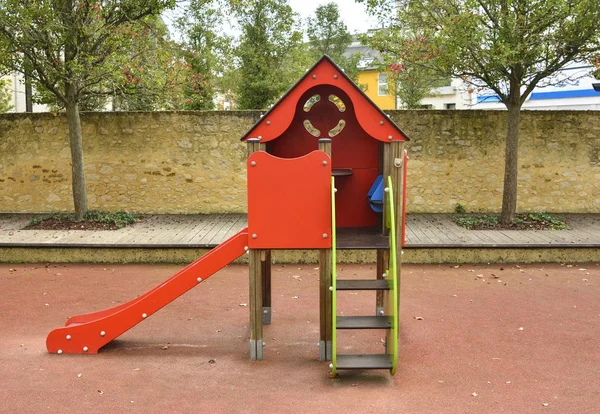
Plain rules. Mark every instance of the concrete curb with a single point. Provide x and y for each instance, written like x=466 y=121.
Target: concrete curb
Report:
x=411 y=255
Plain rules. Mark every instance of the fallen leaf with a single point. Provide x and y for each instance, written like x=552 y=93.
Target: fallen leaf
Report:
x=79 y=375
x=294 y=297
x=521 y=328
x=419 y=318
x=243 y=304
x=100 y=392
x=545 y=404
x=212 y=361
x=165 y=347
x=474 y=394
x=479 y=275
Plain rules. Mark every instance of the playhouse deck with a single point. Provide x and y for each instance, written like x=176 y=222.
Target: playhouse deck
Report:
x=180 y=231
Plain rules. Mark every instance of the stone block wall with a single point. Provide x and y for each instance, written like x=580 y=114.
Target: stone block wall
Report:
x=193 y=162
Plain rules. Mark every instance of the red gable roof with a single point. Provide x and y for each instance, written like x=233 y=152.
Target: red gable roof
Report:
x=325 y=72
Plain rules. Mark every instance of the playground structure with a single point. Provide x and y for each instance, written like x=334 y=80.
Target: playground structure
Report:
x=326 y=171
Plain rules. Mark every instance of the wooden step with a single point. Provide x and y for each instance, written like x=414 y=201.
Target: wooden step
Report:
x=365 y=361
x=363 y=322
x=375 y=284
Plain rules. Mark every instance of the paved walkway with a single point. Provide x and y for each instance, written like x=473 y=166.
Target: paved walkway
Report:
x=205 y=231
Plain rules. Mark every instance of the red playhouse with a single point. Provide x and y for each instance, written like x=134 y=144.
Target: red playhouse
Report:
x=326 y=171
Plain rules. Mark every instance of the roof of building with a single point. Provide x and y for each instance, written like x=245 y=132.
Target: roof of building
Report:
x=370 y=117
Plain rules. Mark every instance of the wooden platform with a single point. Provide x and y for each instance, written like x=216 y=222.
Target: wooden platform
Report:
x=207 y=231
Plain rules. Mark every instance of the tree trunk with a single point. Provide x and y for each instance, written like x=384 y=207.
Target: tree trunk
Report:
x=77 y=171
x=509 y=197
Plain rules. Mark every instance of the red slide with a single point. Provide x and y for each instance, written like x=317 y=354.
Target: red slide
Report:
x=88 y=333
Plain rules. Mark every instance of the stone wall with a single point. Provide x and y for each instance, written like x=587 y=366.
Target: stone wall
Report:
x=193 y=162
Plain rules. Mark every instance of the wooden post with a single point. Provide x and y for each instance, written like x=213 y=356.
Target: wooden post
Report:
x=265 y=260
x=397 y=173
x=267 y=311
x=383 y=260
x=325 y=282
x=383 y=256
x=255 y=299
x=256 y=296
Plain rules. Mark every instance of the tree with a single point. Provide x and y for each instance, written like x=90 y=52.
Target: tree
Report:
x=411 y=84
x=206 y=51
x=508 y=46
x=148 y=70
x=68 y=47
x=267 y=44
x=5 y=105
x=329 y=35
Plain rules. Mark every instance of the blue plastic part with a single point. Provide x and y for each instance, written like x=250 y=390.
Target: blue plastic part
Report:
x=375 y=195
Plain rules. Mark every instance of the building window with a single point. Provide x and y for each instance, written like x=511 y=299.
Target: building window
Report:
x=382 y=84
x=428 y=106
x=450 y=106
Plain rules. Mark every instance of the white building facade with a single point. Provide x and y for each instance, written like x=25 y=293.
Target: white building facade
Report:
x=571 y=89
x=16 y=88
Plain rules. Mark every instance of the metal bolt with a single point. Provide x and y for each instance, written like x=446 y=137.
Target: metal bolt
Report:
x=381 y=312
x=253 y=163
x=390 y=137
x=265 y=311
x=325 y=235
x=386 y=189
x=264 y=343
x=254 y=236
x=331 y=288
x=402 y=251
x=59 y=351
x=380 y=122
x=330 y=365
x=384 y=275
x=85 y=349
x=68 y=337
x=144 y=315
x=319 y=344
x=259 y=137
x=246 y=248
x=324 y=162
x=314 y=76
x=335 y=76
x=102 y=333
x=335 y=190
x=199 y=279
x=268 y=122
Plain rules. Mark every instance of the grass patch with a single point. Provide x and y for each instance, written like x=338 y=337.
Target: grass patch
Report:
x=524 y=221
x=91 y=219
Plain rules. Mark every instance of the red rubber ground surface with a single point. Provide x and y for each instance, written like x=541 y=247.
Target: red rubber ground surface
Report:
x=193 y=355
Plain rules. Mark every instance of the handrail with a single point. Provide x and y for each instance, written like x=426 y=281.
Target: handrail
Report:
x=392 y=278
x=333 y=283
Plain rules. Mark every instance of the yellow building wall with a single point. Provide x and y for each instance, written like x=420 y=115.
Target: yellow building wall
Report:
x=368 y=82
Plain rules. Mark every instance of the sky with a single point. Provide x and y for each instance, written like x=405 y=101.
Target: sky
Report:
x=354 y=14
